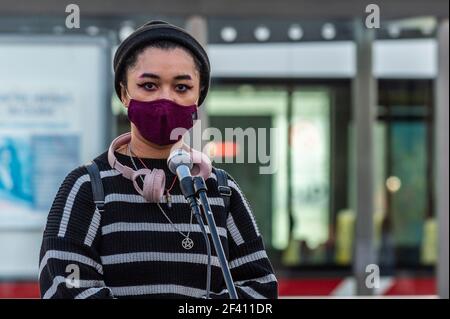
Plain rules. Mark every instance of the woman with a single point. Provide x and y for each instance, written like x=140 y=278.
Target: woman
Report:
x=144 y=242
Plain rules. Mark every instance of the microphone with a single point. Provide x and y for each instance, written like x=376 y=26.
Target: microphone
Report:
x=180 y=163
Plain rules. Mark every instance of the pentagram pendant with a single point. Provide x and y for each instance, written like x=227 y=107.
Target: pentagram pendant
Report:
x=187 y=243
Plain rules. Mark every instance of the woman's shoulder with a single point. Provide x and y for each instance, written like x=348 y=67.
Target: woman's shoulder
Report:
x=223 y=181
x=234 y=188
x=76 y=176
x=102 y=161
x=73 y=206
x=75 y=180
x=217 y=171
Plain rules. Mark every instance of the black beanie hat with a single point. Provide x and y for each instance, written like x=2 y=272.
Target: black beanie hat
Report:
x=161 y=30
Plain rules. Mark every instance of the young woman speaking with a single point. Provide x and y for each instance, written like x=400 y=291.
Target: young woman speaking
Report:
x=140 y=240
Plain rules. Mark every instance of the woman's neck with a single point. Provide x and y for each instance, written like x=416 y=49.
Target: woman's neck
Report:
x=145 y=149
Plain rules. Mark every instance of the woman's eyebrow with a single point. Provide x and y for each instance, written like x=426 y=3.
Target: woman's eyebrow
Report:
x=149 y=75
x=183 y=77
x=155 y=76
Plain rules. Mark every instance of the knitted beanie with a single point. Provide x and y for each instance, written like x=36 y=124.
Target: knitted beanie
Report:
x=160 y=30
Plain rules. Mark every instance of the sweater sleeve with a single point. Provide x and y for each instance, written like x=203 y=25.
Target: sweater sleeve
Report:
x=250 y=267
x=69 y=264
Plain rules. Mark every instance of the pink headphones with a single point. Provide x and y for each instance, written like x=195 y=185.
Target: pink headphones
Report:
x=155 y=180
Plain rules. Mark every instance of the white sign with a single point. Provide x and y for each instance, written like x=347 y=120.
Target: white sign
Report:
x=53 y=115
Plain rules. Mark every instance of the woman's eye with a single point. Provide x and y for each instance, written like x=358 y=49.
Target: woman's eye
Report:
x=147 y=86
x=182 y=87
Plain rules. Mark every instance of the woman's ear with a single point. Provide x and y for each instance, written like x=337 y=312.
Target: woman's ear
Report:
x=199 y=94
x=124 y=96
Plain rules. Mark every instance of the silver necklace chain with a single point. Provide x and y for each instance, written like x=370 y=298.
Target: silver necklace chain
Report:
x=187 y=242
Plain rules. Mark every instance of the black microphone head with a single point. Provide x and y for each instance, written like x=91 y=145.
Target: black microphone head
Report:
x=179 y=157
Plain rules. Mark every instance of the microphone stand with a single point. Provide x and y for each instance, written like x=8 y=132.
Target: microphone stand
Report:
x=187 y=187
x=200 y=190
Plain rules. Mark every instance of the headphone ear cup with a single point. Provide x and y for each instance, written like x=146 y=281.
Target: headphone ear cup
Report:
x=154 y=184
x=136 y=174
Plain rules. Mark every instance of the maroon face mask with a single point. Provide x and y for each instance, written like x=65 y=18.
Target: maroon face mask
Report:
x=157 y=119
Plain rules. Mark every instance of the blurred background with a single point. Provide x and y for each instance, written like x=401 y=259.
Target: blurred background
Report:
x=362 y=119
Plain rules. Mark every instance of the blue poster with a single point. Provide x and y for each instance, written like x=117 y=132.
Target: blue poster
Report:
x=54 y=156
x=15 y=174
x=31 y=170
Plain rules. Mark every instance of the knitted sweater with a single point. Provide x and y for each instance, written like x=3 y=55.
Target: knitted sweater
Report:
x=132 y=251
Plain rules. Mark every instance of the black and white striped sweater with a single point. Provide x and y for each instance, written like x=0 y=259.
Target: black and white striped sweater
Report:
x=132 y=251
